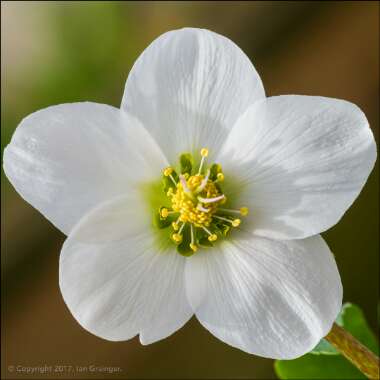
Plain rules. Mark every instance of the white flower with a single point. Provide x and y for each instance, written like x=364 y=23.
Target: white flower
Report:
x=270 y=286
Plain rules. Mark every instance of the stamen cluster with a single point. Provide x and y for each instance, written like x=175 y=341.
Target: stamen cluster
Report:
x=197 y=219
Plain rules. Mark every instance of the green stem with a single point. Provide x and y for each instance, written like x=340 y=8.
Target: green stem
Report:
x=360 y=356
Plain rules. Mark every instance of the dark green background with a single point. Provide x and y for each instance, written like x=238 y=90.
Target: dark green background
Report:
x=56 y=52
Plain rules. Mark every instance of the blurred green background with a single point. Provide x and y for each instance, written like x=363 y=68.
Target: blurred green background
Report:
x=59 y=52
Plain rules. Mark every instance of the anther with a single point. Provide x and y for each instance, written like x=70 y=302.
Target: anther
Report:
x=168 y=171
x=211 y=236
x=204 y=154
x=164 y=212
x=220 y=177
x=244 y=211
x=234 y=223
x=193 y=246
x=177 y=238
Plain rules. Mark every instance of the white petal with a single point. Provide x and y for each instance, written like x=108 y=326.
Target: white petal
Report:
x=189 y=87
x=298 y=162
x=66 y=159
x=118 y=279
x=271 y=298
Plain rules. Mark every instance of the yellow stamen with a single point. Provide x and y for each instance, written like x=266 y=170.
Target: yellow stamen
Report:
x=244 y=211
x=212 y=237
x=204 y=152
x=187 y=206
x=177 y=238
x=220 y=177
x=195 y=199
x=235 y=222
x=168 y=171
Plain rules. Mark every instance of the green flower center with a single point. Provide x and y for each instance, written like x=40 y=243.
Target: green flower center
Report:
x=195 y=214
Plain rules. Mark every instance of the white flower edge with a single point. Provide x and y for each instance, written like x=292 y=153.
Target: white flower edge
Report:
x=66 y=159
x=119 y=279
x=271 y=298
x=299 y=163
x=189 y=87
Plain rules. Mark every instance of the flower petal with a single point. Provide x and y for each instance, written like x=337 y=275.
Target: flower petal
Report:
x=299 y=163
x=189 y=87
x=66 y=159
x=271 y=298
x=118 y=280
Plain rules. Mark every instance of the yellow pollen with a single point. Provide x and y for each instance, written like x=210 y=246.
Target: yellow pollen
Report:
x=193 y=247
x=204 y=152
x=244 y=211
x=220 y=177
x=175 y=226
x=191 y=210
x=236 y=222
x=168 y=171
x=212 y=237
x=164 y=213
x=177 y=238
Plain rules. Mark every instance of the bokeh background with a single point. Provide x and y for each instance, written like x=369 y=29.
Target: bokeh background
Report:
x=59 y=52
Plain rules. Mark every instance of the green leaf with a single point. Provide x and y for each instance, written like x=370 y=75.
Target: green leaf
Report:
x=324 y=362
x=186 y=162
